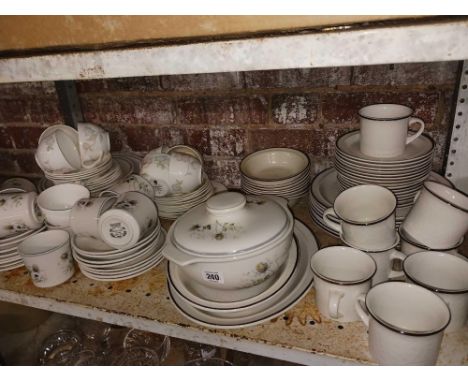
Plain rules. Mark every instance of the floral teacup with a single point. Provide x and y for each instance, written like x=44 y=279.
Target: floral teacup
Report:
x=58 y=152
x=94 y=144
x=132 y=183
x=85 y=214
x=19 y=213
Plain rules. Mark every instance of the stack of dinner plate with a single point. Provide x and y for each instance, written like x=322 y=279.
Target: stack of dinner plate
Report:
x=403 y=174
x=100 y=262
x=277 y=171
x=9 y=256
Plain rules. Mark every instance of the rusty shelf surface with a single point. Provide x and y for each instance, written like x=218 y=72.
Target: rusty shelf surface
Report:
x=299 y=335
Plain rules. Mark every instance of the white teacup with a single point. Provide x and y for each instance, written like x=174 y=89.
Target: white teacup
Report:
x=57 y=152
x=56 y=202
x=408 y=245
x=384 y=261
x=85 y=214
x=384 y=129
x=94 y=144
x=447 y=276
x=47 y=256
x=132 y=183
x=405 y=323
x=367 y=217
x=22 y=184
x=131 y=217
x=171 y=173
x=342 y=274
x=439 y=218
x=19 y=213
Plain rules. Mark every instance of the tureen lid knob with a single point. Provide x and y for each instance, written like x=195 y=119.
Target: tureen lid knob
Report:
x=225 y=202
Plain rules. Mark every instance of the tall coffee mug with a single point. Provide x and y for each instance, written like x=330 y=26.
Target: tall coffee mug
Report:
x=367 y=217
x=342 y=274
x=384 y=129
x=439 y=218
x=405 y=322
x=19 y=213
x=447 y=276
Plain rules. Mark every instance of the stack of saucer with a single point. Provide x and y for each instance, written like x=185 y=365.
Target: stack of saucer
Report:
x=276 y=171
x=173 y=206
x=9 y=256
x=207 y=307
x=100 y=262
x=403 y=174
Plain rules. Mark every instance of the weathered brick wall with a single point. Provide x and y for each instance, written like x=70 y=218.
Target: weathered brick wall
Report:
x=228 y=115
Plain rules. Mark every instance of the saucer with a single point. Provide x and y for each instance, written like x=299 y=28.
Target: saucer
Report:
x=285 y=298
x=235 y=301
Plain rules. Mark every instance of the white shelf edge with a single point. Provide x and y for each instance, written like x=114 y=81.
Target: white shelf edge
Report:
x=395 y=44
x=141 y=323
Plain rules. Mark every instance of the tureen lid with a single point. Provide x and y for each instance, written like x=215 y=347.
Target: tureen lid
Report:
x=230 y=222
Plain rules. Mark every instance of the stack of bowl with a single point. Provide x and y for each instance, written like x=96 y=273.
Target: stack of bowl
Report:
x=178 y=179
x=229 y=255
x=80 y=156
x=277 y=171
x=403 y=174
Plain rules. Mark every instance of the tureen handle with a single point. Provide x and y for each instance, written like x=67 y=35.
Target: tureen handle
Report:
x=172 y=253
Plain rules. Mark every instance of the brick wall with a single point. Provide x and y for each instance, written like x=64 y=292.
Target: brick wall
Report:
x=228 y=115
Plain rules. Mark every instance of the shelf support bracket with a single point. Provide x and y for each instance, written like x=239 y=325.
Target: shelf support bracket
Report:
x=69 y=102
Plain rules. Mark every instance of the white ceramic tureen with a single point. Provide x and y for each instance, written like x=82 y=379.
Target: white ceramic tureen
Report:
x=232 y=241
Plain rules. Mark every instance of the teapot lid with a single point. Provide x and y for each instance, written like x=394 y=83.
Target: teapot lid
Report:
x=229 y=223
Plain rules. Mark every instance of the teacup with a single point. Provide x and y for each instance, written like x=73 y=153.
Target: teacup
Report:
x=19 y=213
x=405 y=323
x=384 y=129
x=56 y=202
x=132 y=183
x=57 y=152
x=384 y=261
x=171 y=173
x=188 y=150
x=439 y=218
x=408 y=245
x=85 y=214
x=131 y=217
x=22 y=184
x=342 y=274
x=47 y=256
x=94 y=144
x=447 y=276
x=367 y=217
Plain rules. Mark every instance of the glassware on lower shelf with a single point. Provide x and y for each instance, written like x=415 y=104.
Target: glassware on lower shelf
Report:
x=194 y=351
x=159 y=343
x=208 y=362
x=60 y=346
x=133 y=356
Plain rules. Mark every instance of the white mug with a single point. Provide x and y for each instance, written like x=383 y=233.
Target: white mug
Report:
x=57 y=152
x=94 y=144
x=367 y=217
x=447 y=276
x=409 y=246
x=19 y=213
x=131 y=217
x=85 y=214
x=342 y=274
x=47 y=256
x=405 y=323
x=384 y=129
x=439 y=218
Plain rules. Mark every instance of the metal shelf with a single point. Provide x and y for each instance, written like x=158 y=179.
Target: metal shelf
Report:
x=299 y=335
x=334 y=46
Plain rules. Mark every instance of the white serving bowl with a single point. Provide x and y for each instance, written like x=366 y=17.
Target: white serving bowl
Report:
x=57 y=201
x=232 y=241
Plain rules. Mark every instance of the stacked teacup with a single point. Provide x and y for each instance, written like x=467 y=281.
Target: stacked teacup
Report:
x=382 y=153
x=116 y=237
x=177 y=177
x=366 y=222
x=79 y=156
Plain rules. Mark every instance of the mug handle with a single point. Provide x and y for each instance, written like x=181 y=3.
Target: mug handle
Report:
x=328 y=222
x=397 y=255
x=419 y=132
x=334 y=299
x=358 y=306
